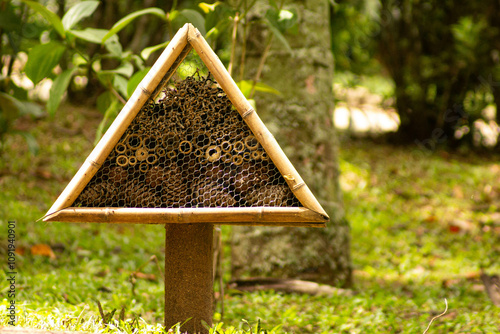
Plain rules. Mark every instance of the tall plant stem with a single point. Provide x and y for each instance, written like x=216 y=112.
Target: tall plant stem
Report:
x=261 y=65
x=233 y=42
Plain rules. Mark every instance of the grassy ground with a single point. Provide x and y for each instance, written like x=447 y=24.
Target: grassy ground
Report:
x=423 y=225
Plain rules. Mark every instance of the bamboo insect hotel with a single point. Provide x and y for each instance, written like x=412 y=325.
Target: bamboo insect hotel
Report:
x=188 y=151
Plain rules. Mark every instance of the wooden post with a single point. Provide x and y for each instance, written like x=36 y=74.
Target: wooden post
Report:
x=189 y=276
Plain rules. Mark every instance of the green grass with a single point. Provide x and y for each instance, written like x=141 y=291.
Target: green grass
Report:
x=422 y=228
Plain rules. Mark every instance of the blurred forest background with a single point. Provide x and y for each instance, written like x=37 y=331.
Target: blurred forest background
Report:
x=388 y=109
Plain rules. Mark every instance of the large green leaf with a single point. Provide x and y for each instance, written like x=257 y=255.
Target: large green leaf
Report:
x=32 y=109
x=280 y=36
x=114 y=47
x=53 y=19
x=218 y=20
x=130 y=17
x=59 y=87
x=195 y=18
x=12 y=108
x=135 y=80
x=149 y=50
x=17 y=92
x=126 y=69
x=120 y=84
x=78 y=12
x=104 y=101
x=42 y=59
x=91 y=35
x=221 y=27
x=245 y=87
x=281 y=21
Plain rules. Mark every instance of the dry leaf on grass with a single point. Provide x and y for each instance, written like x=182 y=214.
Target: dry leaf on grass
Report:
x=43 y=250
x=20 y=250
x=149 y=277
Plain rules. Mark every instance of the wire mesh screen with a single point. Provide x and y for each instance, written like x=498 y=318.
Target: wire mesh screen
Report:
x=190 y=148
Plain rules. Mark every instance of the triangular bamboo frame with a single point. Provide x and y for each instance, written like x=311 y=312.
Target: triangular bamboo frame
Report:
x=187 y=38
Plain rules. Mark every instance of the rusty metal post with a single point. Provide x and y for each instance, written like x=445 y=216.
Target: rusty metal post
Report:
x=189 y=276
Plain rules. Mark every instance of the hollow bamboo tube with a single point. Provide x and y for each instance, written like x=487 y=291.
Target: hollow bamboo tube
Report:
x=259 y=216
x=189 y=276
x=266 y=139
x=149 y=87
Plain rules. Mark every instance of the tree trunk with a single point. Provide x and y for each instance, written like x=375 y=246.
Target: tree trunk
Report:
x=301 y=120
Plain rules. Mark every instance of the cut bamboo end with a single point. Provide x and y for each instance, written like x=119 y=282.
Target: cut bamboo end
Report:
x=267 y=140
x=256 y=216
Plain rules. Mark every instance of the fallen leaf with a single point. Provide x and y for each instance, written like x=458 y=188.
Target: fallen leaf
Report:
x=458 y=192
x=43 y=250
x=20 y=250
x=451 y=282
x=149 y=277
x=472 y=275
x=43 y=174
x=430 y=219
x=458 y=225
x=102 y=273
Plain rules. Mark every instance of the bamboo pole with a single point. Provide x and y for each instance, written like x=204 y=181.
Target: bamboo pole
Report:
x=263 y=135
x=148 y=88
x=260 y=216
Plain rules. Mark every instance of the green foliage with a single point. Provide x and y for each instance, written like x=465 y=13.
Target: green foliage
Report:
x=279 y=22
x=246 y=87
x=42 y=59
x=218 y=18
x=73 y=49
x=131 y=17
x=149 y=50
x=437 y=54
x=17 y=34
x=136 y=79
x=467 y=34
x=192 y=16
x=59 y=87
x=78 y=12
x=354 y=26
x=10 y=110
x=51 y=17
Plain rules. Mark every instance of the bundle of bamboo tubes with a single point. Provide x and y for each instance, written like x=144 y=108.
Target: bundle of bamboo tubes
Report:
x=189 y=149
